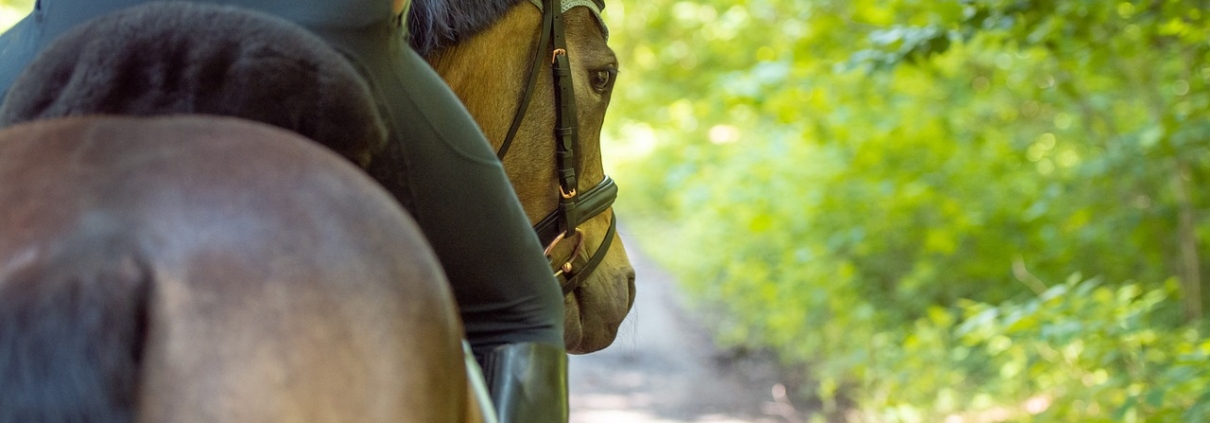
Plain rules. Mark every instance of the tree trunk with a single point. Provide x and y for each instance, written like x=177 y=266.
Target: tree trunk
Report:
x=1190 y=266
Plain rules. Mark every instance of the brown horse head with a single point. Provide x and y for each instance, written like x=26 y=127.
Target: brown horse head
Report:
x=488 y=70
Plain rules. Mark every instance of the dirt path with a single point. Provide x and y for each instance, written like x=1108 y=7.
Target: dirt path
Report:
x=663 y=368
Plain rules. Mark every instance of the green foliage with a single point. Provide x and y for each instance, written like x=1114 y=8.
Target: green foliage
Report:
x=1095 y=353
x=842 y=177
x=1081 y=351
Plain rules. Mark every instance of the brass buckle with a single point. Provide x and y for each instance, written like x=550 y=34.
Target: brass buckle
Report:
x=565 y=269
x=567 y=195
x=554 y=55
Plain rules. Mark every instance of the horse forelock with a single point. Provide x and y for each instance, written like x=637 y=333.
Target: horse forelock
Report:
x=434 y=24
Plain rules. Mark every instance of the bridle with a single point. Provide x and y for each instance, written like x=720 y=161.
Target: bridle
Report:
x=563 y=224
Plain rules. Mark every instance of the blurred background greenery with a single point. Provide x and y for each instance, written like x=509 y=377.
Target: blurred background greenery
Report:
x=958 y=211
x=933 y=211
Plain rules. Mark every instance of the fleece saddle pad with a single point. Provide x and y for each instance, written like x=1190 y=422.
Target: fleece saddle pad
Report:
x=191 y=58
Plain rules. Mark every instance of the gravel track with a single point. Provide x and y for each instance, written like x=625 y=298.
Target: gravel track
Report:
x=664 y=368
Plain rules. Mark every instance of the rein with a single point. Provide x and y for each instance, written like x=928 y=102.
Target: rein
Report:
x=563 y=224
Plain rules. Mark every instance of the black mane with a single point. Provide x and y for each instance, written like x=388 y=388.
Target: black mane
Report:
x=434 y=24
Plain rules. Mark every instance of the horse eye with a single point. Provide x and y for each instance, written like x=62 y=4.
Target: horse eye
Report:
x=602 y=79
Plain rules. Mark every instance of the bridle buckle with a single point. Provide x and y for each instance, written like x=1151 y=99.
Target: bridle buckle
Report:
x=567 y=195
